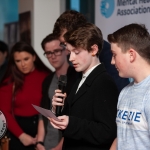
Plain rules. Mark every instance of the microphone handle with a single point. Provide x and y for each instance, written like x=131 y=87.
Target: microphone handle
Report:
x=59 y=108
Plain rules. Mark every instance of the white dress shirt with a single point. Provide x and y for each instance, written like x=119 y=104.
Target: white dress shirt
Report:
x=85 y=75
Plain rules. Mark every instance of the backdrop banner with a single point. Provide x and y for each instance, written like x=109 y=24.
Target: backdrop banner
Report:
x=111 y=15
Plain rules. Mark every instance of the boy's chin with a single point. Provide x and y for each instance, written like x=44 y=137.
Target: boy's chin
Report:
x=122 y=75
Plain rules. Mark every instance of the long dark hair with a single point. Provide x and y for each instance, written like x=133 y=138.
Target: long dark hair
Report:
x=16 y=76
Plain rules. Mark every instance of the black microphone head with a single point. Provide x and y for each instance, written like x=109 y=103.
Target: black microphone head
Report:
x=62 y=80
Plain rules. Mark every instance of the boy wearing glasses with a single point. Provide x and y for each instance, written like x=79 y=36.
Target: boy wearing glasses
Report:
x=56 y=53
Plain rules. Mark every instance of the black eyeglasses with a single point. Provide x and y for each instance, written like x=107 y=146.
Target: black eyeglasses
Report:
x=56 y=52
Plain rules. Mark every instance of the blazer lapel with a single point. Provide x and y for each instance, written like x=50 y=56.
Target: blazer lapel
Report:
x=89 y=80
x=72 y=95
x=81 y=91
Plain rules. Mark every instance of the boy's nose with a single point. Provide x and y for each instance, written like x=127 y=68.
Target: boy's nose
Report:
x=112 y=61
x=71 y=57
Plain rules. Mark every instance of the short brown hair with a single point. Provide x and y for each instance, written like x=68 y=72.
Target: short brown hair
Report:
x=85 y=36
x=134 y=36
x=68 y=20
x=48 y=38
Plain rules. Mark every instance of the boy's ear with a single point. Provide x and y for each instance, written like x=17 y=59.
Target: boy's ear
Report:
x=94 y=50
x=132 y=55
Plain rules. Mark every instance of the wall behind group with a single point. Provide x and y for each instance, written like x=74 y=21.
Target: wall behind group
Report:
x=8 y=14
x=43 y=15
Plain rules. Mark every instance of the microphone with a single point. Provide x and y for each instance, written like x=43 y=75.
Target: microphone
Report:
x=61 y=86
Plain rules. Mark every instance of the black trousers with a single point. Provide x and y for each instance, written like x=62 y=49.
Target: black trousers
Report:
x=29 y=125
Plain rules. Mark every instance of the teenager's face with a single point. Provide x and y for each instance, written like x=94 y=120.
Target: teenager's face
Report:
x=120 y=60
x=80 y=58
x=24 y=61
x=56 y=61
x=2 y=57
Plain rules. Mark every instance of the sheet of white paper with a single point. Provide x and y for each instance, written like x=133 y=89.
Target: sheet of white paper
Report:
x=45 y=112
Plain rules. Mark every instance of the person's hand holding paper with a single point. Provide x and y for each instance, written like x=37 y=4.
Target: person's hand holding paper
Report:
x=45 y=112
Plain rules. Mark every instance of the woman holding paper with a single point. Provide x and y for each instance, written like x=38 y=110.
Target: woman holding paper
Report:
x=21 y=87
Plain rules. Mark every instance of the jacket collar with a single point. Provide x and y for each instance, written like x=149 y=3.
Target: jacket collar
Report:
x=88 y=82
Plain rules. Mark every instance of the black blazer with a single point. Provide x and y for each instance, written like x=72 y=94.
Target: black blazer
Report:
x=72 y=76
x=92 y=113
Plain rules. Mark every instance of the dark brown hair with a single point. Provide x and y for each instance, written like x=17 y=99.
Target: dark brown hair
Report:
x=47 y=39
x=85 y=37
x=16 y=76
x=134 y=36
x=68 y=20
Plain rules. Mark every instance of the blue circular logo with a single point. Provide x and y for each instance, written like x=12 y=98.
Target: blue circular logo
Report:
x=107 y=8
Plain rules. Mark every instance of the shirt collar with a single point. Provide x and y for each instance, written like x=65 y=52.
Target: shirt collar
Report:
x=89 y=71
